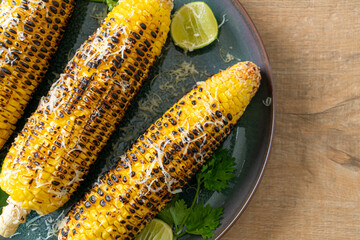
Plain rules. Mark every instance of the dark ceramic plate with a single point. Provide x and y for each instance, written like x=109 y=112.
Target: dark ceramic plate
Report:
x=249 y=142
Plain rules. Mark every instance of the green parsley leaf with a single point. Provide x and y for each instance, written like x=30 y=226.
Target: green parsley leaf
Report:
x=3 y=198
x=199 y=219
x=218 y=171
x=166 y=216
x=174 y=213
x=203 y=220
x=110 y=3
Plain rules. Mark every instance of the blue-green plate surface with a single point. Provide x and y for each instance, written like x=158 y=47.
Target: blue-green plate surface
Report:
x=249 y=142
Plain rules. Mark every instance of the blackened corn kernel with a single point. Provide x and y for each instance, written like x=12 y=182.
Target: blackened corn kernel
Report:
x=18 y=37
x=80 y=112
x=139 y=197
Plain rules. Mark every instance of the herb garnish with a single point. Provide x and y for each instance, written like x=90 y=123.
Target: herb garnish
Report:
x=110 y=3
x=199 y=219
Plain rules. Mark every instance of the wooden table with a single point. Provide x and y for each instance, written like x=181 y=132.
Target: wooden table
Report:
x=311 y=187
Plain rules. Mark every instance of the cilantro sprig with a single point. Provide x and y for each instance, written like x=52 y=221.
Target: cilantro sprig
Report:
x=3 y=198
x=110 y=3
x=218 y=171
x=200 y=219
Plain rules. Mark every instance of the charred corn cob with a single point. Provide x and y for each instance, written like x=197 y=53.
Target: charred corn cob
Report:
x=73 y=122
x=164 y=158
x=30 y=32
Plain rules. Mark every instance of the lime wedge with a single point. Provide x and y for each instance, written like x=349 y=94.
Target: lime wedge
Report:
x=194 y=26
x=156 y=230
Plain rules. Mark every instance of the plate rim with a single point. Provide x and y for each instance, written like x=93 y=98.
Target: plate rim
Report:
x=259 y=177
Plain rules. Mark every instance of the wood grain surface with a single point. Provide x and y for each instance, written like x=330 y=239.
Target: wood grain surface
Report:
x=311 y=187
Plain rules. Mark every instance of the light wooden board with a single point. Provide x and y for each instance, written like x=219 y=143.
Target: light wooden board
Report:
x=311 y=188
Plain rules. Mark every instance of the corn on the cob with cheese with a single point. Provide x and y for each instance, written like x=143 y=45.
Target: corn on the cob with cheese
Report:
x=164 y=158
x=62 y=139
x=30 y=31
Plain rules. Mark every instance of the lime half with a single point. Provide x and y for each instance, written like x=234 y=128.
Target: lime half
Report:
x=156 y=230
x=194 y=26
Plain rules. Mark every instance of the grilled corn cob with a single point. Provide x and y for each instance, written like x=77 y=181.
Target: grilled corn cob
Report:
x=164 y=158
x=73 y=122
x=30 y=32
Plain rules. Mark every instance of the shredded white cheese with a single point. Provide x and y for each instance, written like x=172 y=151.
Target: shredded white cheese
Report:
x=98 y=14
x=227 y=56
x=224 y=20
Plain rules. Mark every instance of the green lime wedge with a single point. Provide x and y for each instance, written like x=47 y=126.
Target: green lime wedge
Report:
x=194 y=26
x=156 y=230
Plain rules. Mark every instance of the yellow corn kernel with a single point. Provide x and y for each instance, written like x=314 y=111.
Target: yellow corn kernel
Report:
x=82 y=108
x=164 y=158
x=30 y=32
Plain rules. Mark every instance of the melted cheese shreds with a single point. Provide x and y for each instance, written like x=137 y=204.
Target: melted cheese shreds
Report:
x=48 y=223
x=226 y=56
x=224 y=20
x=151 y=104
x=150 y=107
x=15 y=234
x=77 y=178
x=53 y=225
x=185 y=69
x=99 y=14
x=157 y=162
x=32 y=222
